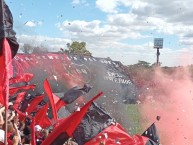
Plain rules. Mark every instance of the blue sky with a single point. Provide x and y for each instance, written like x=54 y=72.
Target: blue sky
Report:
x=123 y=30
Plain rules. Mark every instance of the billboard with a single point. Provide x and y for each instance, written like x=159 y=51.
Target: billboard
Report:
x=158 y=43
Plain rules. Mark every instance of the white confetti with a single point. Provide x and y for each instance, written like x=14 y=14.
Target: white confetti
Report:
x=55 y=77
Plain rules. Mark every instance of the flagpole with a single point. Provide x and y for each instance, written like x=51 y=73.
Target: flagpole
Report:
x=2 y=23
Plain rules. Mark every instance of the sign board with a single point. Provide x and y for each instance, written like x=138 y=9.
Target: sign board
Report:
x=158 y=42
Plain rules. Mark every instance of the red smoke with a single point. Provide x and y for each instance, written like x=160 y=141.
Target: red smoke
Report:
x=172 y=99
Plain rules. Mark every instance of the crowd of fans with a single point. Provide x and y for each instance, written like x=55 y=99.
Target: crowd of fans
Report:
x=13 y=124
x=19 y=132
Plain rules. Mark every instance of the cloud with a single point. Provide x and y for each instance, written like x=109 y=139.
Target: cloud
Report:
x=94 y=31
x=78 y=2
x=33 y=23
x=173 y=17
x=52 y=44
x=75 y=1
x=107 y=6
x=115 y=6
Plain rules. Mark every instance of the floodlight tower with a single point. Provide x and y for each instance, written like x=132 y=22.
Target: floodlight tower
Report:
x=158 y=44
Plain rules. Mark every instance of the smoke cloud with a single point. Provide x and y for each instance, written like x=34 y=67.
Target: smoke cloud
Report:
x=172 y=99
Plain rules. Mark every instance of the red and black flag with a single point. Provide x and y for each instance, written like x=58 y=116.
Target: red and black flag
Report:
x=67 y=126
x=72 y=94
x=98 y=126
x=94 y=122
x=5 y=63
x=8 y=49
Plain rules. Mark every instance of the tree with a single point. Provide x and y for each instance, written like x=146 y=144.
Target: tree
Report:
x=78 y=48
x=143 y=63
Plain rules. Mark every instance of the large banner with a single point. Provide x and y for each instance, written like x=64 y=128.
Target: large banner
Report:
x=65 y=71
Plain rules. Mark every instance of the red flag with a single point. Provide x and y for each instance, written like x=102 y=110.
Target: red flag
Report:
x=60 y=104
x=5 y=61
x=19 y=99
x=50 y=95
x=68 y=125
x=26 y=77
x=34 y=103
x=14 y=90
x=115 y=134
x=22 y=115
x=46 y=122
x=41 y=117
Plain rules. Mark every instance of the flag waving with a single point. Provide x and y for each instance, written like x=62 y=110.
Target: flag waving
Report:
x=50 y=95
x=72 y=94
x=5 y=60
x=34 y=103
x=152 y=134
x=66 y=128
x=8 y=49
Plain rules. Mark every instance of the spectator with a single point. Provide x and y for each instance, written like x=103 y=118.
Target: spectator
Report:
x=2 y=109
x=70 y=141
x=2 y=136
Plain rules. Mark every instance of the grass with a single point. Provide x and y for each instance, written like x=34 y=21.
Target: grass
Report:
x=134 y=119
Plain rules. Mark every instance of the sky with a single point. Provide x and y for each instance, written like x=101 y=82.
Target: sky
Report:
x=123 y=30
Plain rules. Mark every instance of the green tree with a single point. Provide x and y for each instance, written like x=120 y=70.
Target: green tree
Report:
x=143 y=63
x=78 y=48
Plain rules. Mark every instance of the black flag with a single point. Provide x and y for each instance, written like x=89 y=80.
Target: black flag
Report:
x=75 y=92
x=95 y=121
x=72 y=94
x=6 y=28
x=152 y=134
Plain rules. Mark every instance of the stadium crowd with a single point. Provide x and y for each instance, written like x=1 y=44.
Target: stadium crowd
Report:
x=19 y=132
